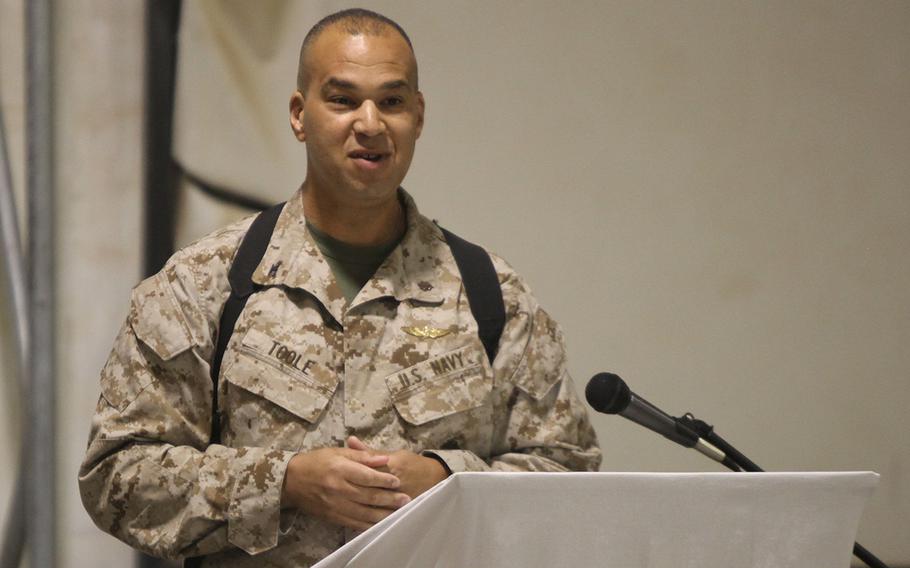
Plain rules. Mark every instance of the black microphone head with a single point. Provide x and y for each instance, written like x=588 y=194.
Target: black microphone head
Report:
x=606 y=392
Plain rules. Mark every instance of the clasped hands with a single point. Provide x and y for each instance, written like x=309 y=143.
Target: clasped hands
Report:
x=357 y=486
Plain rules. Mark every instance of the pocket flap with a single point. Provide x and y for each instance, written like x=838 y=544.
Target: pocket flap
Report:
x=544 y=361
x=442 y=385
x=279 y=382
x=157 y=319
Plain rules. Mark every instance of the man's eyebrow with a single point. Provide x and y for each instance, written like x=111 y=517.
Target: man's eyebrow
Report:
x=335 y=82
x=339 y=84
x=397 y=84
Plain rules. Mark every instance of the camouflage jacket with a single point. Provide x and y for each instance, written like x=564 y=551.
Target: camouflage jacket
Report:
x=401 y=367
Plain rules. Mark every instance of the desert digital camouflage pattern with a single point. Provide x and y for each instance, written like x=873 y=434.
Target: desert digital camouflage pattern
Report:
x=304 y=370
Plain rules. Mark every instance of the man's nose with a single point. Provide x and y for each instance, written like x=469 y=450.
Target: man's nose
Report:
x=369 y=120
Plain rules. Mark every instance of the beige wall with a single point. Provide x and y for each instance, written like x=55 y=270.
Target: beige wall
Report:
x=713 y=198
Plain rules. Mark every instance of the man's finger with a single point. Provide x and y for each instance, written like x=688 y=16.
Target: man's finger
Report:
x=356 y=444
x=367 y=459
x=370 y=477
x=381 y=498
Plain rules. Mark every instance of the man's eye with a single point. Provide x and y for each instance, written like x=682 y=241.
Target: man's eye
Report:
x=341 y=101
x=393 y=101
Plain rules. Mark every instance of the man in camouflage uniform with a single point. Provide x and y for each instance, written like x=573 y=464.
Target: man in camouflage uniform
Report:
x=335 y=410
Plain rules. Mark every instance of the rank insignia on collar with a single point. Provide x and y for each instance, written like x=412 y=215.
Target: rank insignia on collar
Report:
x=426 y=332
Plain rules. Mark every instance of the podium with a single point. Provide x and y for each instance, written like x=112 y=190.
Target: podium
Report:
x=620 y=520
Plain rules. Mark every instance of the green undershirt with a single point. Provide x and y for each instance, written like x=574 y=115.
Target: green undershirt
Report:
x=352 y=265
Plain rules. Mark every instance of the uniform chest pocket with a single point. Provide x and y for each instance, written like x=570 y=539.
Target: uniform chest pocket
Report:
x=279 y=374
x=443 y=385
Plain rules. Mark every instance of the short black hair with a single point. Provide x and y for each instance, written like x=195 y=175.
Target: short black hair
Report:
x=354 y=21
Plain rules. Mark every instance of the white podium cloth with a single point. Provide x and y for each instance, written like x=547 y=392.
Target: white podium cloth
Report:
x=622 y=520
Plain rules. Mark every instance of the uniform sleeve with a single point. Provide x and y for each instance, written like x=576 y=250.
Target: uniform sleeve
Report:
x=149 y=477
x=540 y=423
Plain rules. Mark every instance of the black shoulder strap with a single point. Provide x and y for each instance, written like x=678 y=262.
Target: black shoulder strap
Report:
x=240 y=277
x=482 y=287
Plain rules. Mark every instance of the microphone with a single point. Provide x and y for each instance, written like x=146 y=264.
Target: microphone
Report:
x=608 y=393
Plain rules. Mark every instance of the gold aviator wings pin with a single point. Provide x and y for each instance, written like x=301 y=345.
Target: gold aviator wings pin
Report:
x=426 y=332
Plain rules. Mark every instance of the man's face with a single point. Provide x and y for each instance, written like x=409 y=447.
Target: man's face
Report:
x=360 y=115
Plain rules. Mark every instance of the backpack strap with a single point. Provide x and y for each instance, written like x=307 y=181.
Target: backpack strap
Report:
x=481 y=284
x=248 y=257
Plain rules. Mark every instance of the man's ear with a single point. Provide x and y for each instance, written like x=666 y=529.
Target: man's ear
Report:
x=296 y=109
x=421 y=106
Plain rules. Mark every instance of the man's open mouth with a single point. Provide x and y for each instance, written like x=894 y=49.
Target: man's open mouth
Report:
x=370 y=157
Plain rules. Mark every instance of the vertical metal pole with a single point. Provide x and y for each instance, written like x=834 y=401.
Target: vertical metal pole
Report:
x=14 y=273
x=41 y=463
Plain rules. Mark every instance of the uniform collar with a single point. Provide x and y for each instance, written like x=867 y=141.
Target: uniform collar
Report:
x=417 y=269
x=414 y=270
